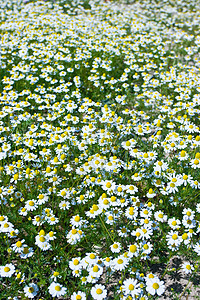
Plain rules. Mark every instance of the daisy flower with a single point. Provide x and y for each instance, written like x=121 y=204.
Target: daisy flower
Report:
x=197 y=248
x=120 y=263
x=95 y=271
x=6 y=227
x=99 y=292
x=131 y=287
x=187 y=268
x=56 y=289
x=78 y=296
x=7 y=270
x=18 y=246
x=116 y=247
x=174 y=223
x=108 y=186
x=160 y=216
x=31 y=290
x=155 y=286
x=31 y=205
x=27 y=252
x=133 y=250
x=151 y=193
x=195 y=163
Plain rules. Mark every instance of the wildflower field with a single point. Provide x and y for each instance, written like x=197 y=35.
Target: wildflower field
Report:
x=99 y=149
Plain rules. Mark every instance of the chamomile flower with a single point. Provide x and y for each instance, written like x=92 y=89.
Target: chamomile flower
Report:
x=160 y=216
x=174 y=223
x=31 y=290
x=7 y=271
x=155 y=286
x=131 y=287
x=56 y=289
x=120 y=263
x=78 y=296
x=99 y=292
x=151 y=193
x=95 y=270
x=116 y=247
x=187 y=267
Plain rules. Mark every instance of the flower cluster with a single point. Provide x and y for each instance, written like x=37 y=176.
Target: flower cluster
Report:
x=99 y=147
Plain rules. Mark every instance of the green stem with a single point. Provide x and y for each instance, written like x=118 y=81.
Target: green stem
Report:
x=165 y=271
x=106 y=228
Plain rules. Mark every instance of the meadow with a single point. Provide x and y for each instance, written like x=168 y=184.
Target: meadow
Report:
x=99 y=149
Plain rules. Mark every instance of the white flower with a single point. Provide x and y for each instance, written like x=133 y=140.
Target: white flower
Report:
x=155 y=286
x=116 y=247
x=98 y=292
x=174 y=223
x=120 y=263
x=75 y=263
x=6 y=227
x=159 y=216
x=151 y=193
x=31 y=290
x=96 y=271
x=197 y=248
x=7 y=270
x=43 y=242
x=131 y=287
x=78 y=296
x=133 y=250
x=56 y=289
x=187 y=268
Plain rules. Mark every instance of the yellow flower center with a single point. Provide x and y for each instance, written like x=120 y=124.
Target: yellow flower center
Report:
x=42 y=239
x=184 y=236
x=120 y=261
x=95 y=207
x=131 y=287
x=133 y=248
x=146 y=246
x=174 y=236
x=6 y=269
x=57 y=288
x=77 y=219
x=155 y=286
x=19 y=244
x=31 y=290
x=99 y=291
x=95 y=269
x=76 y=262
